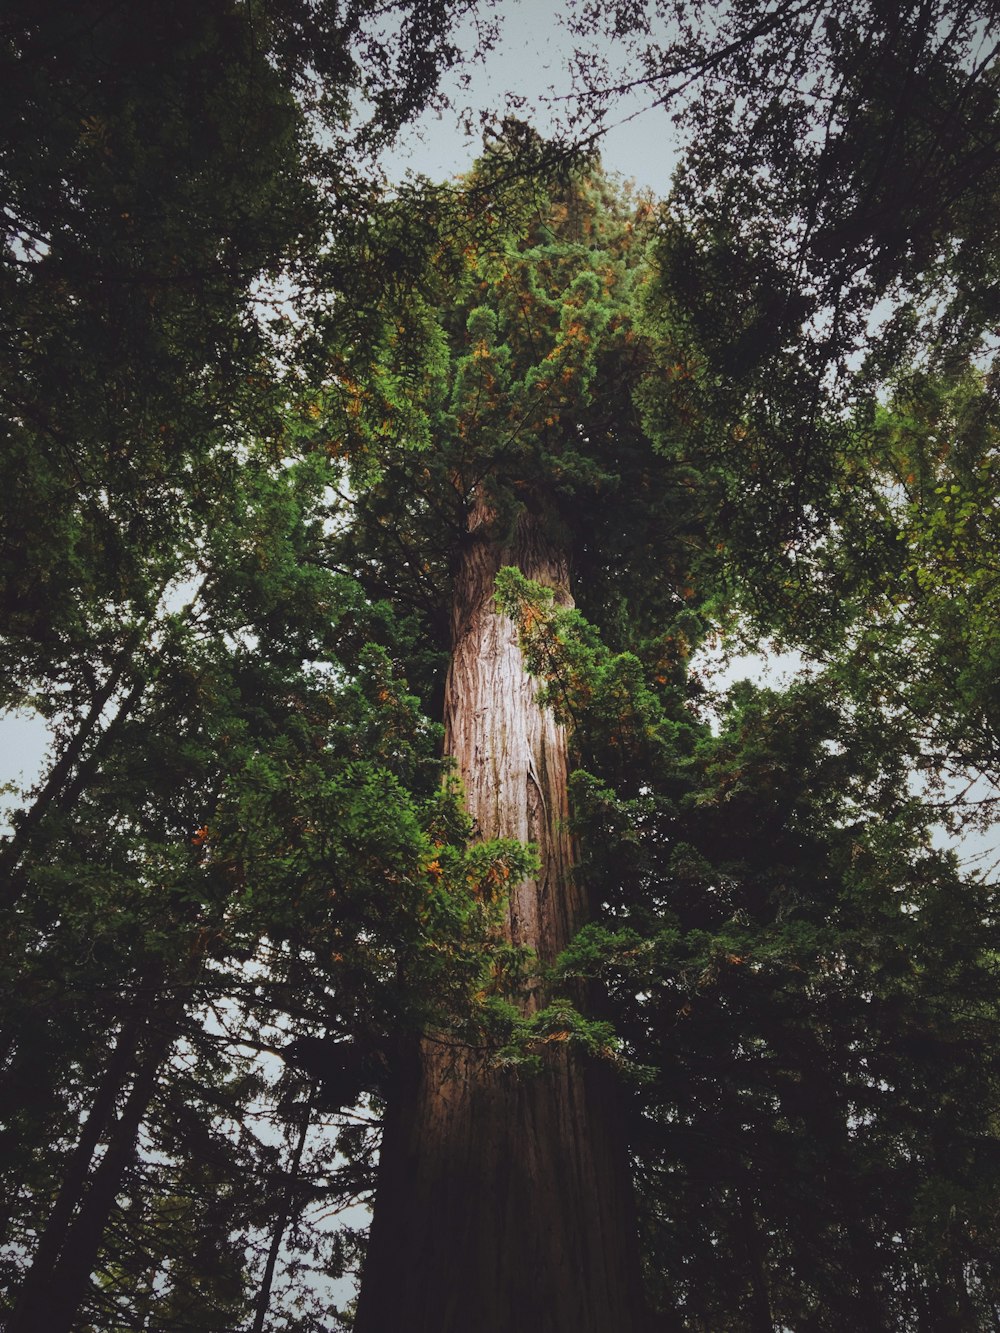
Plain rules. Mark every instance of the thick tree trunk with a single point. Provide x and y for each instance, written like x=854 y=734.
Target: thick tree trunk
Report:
x=503 y=1199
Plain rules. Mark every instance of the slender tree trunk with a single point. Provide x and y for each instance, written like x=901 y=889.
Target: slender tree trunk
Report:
x=52 y=1293
x=503 y=1198
x=57 y=1279
x=118 y=1070
x=760 y=1317
x=284 y=1213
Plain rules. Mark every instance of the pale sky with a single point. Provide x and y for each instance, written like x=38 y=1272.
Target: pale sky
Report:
x=530 y=62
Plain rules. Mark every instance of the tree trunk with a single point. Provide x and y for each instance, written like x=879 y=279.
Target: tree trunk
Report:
x=284 y=1213
x=52 y=1293
x=759 y=1315
x=117 y=1072
x=503 y=1198
x=56 y=1281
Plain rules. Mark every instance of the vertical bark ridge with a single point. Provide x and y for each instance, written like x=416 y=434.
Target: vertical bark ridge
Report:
x=503 y=1198
x=511 y=754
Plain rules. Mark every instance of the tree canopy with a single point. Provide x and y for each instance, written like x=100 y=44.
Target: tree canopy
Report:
x=250 y=401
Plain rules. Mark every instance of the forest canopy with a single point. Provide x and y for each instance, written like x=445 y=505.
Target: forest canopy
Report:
x=364 y=551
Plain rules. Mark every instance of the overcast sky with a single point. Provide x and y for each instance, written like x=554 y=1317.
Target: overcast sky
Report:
x=530 y=61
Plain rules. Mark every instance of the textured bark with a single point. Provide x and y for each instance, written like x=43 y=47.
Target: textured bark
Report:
x=503 y=1198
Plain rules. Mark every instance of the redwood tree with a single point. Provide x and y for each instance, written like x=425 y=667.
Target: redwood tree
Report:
x=733 y=952
x=503 y=1194
x=758 y=910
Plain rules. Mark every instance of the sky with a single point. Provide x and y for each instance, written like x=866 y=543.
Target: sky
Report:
x=530 y=61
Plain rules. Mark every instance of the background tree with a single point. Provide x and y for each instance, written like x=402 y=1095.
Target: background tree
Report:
x=168 y=608
x=271 y=536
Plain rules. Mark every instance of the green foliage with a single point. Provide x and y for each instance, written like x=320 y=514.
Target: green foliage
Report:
x=514 y=338
x=799 y=988
x=172 y=904
x=832 y=223
x=614 y=703
x=924 y=584
x=228 y=537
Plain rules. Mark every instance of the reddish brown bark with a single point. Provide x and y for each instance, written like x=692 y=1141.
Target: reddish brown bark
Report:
x=503 y=1198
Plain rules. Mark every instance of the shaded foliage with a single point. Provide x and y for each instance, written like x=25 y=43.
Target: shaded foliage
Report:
x=228 y=537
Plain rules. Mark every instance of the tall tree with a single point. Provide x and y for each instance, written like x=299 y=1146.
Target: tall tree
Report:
x=773 y=881
x=529 y=427
x=160 y=516
x=723 y=945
